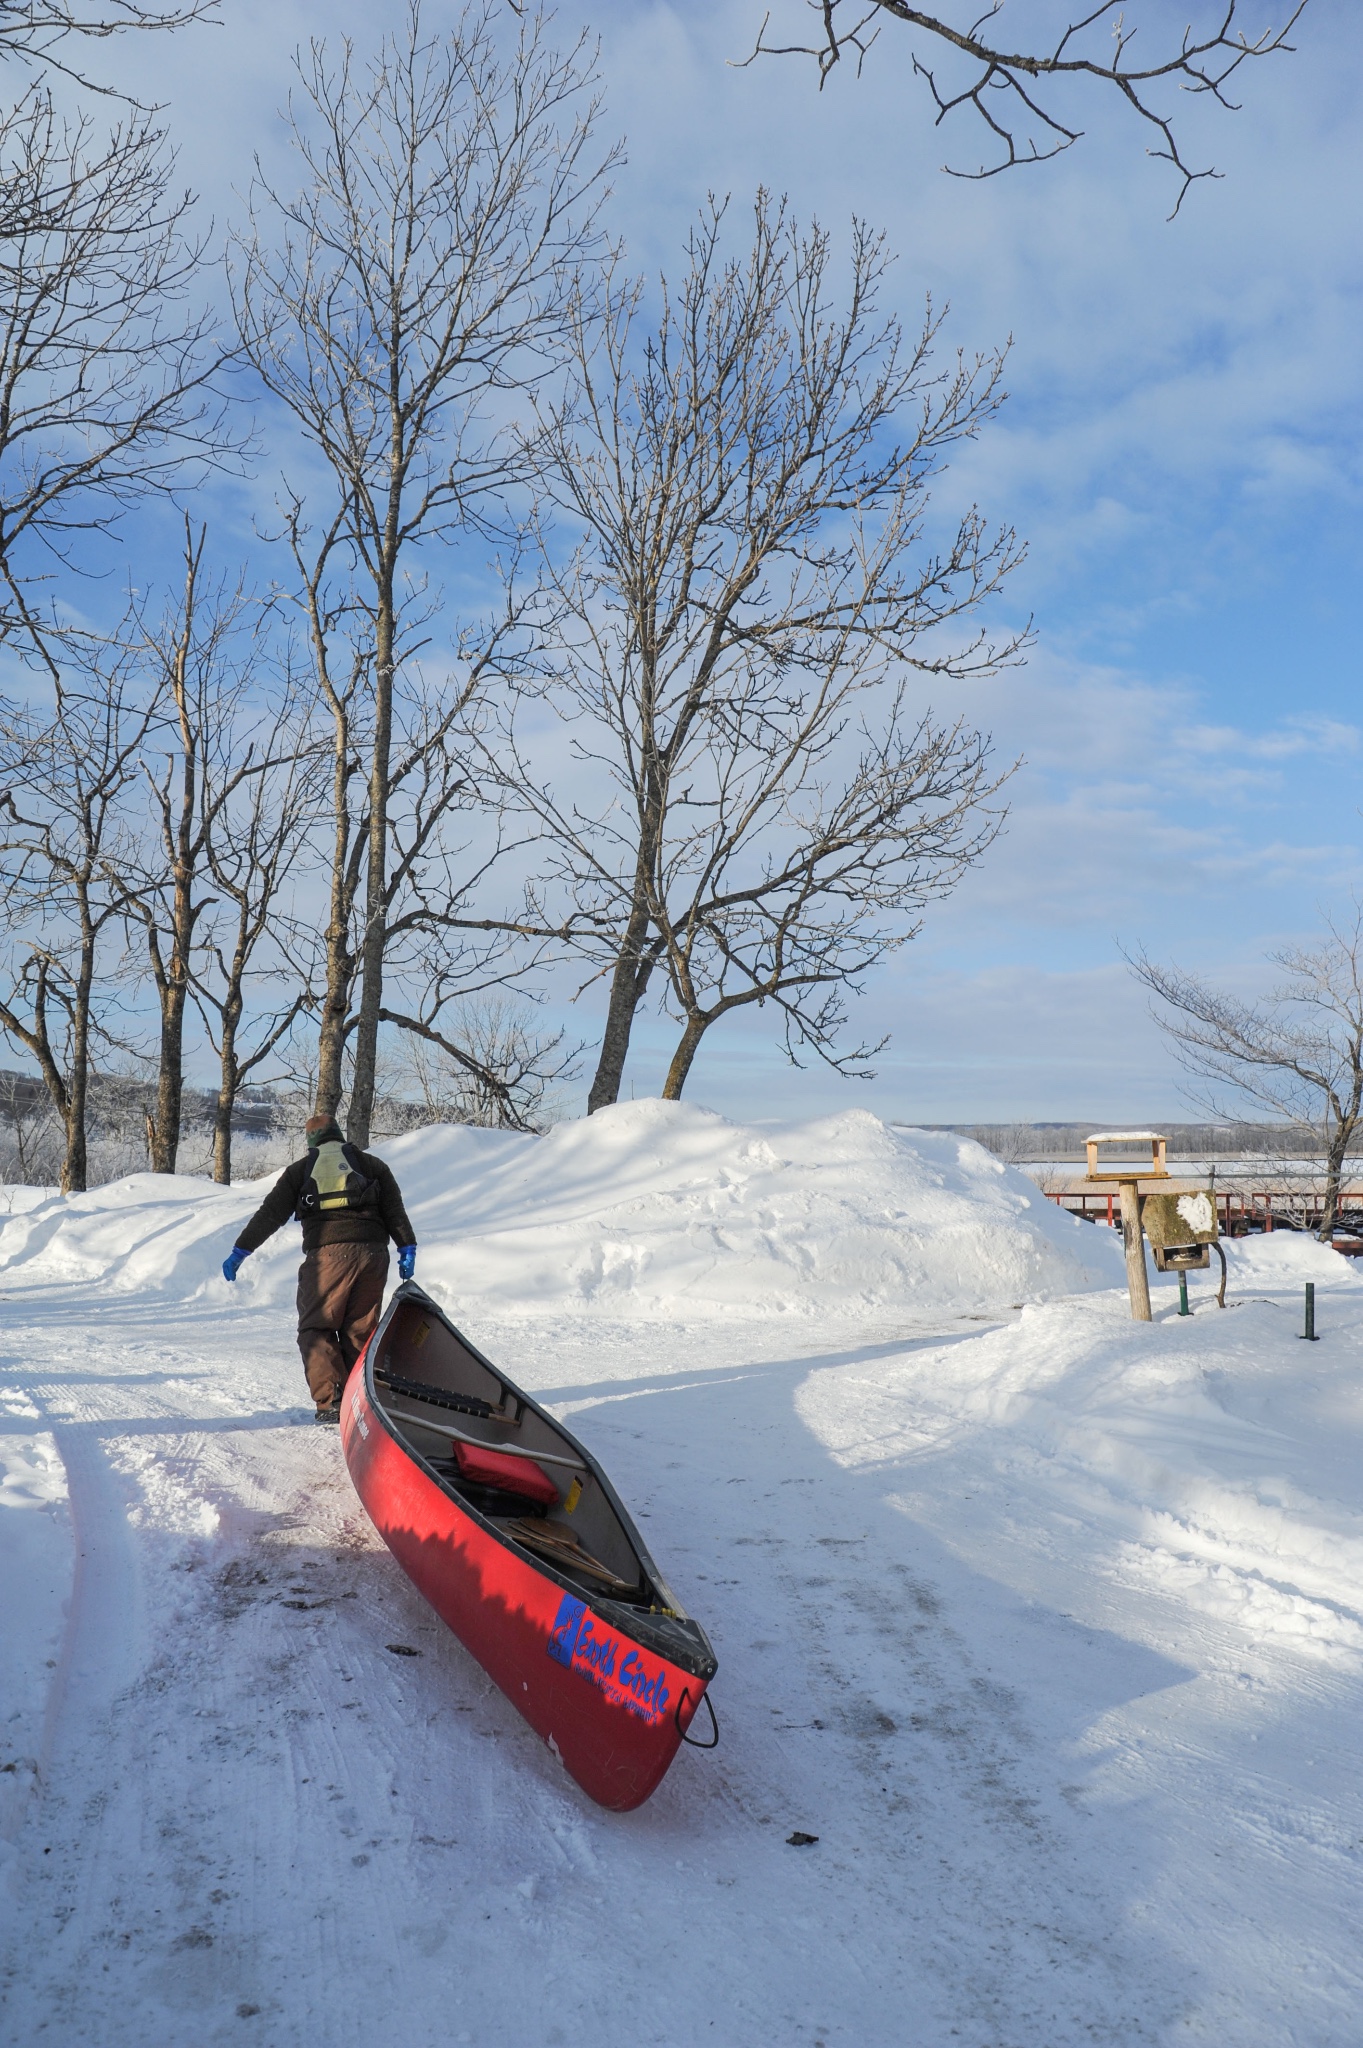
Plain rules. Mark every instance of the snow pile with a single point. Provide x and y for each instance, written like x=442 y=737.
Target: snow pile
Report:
x=650 y=1209
x=1202 y=1454
x=1286 y=1258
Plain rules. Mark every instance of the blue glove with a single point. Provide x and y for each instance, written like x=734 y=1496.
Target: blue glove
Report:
x=233 y=1260
x=406 y=1261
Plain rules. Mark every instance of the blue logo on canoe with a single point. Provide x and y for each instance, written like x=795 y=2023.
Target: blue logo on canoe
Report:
x=573 y=1641
x=564 y=1633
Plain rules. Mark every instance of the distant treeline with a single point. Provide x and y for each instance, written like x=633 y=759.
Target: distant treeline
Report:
x=267 y=1127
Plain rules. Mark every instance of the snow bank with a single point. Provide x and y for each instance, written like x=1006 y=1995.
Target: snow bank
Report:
x=650 y=1209
x=1284 y=1258
x=1203 y=1455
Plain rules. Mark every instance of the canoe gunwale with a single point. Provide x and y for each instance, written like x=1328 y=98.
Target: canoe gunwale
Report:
x=691 y=1654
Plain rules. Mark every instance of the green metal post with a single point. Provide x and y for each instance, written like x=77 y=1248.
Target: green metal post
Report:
x=1309 y=1333
x=1183 y=1307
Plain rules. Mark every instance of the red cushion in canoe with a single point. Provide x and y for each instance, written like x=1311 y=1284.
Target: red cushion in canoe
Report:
x=487 y=1467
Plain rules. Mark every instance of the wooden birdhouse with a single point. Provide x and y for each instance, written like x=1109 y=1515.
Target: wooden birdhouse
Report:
x=1138 y=1162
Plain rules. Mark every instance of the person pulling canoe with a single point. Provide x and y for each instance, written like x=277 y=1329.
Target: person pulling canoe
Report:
x=349 y=1205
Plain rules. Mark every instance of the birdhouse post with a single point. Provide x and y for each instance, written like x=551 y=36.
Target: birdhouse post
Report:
x=1128 y=1176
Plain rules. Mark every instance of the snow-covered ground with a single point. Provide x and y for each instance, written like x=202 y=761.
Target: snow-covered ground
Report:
x=1048 y=1625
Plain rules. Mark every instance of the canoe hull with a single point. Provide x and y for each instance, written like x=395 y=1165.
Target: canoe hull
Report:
x=611 y=1710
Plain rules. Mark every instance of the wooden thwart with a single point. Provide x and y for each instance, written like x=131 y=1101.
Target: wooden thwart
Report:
x=562 y=1548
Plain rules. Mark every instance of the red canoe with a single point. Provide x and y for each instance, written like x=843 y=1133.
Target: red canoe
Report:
x=516 y=1537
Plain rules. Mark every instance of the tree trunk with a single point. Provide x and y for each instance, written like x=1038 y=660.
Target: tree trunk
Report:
x=228 y=1082
x=682 y=1058
x=331 y=1036
x=164 y=1123
x=633 y=968
x=222 y=1134
x=184 y=849
x=628 y=983
x=75 y=1166
x=361 y=1110
x=36 y=1037
x=1336 y=1152
x=340 y=961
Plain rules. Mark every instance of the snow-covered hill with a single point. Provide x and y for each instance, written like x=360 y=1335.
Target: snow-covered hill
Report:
x=651 y=1208
x=1047 y=1625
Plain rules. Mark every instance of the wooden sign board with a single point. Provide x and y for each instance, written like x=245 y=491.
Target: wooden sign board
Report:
x=1185 y=1218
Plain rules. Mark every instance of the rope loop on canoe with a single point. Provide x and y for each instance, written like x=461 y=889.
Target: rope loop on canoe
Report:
x=703 y=1701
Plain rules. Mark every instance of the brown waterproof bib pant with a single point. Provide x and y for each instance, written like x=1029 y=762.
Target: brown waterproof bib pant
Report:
x=340 y=1291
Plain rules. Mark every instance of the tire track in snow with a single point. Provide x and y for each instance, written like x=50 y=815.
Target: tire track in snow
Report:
x=101 y=1652
x=103 y=1864
x=102 y=1644
x=35 y=1600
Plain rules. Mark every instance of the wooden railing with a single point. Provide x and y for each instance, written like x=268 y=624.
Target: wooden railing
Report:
x=1238 y=1212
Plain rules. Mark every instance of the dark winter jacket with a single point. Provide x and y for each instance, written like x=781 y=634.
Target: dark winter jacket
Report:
x=381 y=1218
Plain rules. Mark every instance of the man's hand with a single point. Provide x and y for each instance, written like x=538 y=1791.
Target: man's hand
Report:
x=233 y=1261
x=406 y=1261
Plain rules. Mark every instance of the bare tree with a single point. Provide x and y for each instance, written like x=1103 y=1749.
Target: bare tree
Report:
x=64 y=779
x=258 y=826
x=419 y=278
x=105 y=374
x=1005 y=87
x=437 y=950
x=446 y=965
x=186 y=656
x=752 y=481
x=1297 y=1054
x=231 y=776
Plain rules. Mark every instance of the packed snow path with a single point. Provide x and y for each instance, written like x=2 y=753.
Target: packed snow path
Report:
x=1049 y=1626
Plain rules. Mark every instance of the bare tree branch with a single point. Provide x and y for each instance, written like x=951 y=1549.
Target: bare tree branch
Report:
x=259 y=825
x=231 y=774
x=1002 y=85
x=106 y=390
x=496 y=1074
x=36 y=33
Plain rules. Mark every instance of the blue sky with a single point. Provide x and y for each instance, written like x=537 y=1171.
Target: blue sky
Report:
x=1181 y=451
